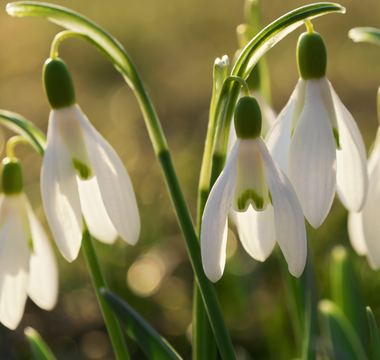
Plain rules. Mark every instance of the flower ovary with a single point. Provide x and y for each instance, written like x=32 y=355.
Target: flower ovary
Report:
x=58 y=84
x=12 y=178
x=247 y=118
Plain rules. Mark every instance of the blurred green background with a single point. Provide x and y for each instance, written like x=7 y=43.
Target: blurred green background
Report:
x=174 y=44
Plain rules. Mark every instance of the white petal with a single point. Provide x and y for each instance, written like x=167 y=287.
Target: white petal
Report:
x=330 y=105
x=352 y=176
x=94 y=212
x=312 y=158
x=231 y=137
x=288 y=217
x=114 y=183
x=355 y=232
x=251 y=187
x=60 y=194
x=370 y=215
x=14 y=262
x=300 y=93
x=43 y=272
x=256 y=231
x=278 y=139
x=214 y=221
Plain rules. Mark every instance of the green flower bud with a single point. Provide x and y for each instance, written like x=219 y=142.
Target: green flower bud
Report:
x=311 y=56
x=12 y=178
x=58 y=84
x=247 y=118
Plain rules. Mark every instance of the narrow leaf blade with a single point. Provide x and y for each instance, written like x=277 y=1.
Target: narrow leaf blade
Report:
x=365 y=34
x=25 y=128
x=151 y=343
x=374 y=335
x=37 y=345
x=338 y=332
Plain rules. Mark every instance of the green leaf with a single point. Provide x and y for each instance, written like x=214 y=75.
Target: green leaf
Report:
x=15 y=122
x=151 y=343
x=345 y=291
x=343 y=341
x=365 y=34
x=374 y=335
x=38 y=347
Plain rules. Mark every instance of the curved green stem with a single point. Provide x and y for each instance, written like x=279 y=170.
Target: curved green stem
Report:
x=99 y=282
x=12 y=142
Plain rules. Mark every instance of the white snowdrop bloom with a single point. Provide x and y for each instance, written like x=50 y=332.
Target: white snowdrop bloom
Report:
x=27 y=262
x=316 y=141
x=251 y=181
x=82 y=174
x=364 y=227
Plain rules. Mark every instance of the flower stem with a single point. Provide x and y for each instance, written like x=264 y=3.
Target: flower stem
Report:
x=98 y=280
x=12 y=142
x=309 y=26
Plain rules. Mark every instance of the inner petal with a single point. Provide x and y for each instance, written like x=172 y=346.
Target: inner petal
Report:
x=251 y=187
x=71 y=133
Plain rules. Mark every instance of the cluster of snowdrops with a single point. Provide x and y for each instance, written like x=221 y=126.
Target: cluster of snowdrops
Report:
x=274 y=171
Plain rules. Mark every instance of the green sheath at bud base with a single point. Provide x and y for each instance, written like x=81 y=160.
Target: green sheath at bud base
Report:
x=12 y=178
x=247 y=118
x=311 y=56
x=58 y=84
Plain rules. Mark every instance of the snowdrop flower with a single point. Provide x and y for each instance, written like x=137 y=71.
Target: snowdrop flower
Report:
x=316 y=141
x=81 y=173
x=251 y=179
x=27 y=262
x=364 y=227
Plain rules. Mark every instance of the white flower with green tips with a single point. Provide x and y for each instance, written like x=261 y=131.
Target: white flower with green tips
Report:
x=27 y=262
x=252 y=182
x=316 y=141
x=82 y=174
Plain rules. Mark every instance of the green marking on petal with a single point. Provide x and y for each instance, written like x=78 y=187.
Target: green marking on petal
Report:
x=336 y=137
x=83 y=170
x=30 y=245
x=247 y=195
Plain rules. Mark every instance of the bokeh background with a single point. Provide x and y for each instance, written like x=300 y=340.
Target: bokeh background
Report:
x=174 y=44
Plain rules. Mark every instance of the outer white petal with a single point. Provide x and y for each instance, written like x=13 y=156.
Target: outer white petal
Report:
x=231 y=137
x=370 y=214
x=60 y=194
x=356 y=234
x=312 y=158
x=114 y=183
x=288 y=217
x=256 y=231
x=94 y=212
x=43 y=272
x=278 y=139
x=352 y=176
x=214 y=221
x=14 y=262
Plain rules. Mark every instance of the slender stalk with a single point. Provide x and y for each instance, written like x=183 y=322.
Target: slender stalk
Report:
x=98 y=280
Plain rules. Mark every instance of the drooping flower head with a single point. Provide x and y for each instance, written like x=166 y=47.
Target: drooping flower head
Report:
x=82 y=174
x=27 y=262
x=316 y=141
x=252 y=181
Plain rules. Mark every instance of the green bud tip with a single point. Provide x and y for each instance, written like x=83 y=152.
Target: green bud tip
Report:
x=247 y=118
x=12 y=178
x=58 y=84
x=311 y=56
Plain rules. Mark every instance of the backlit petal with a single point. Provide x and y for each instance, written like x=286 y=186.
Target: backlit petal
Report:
x=94 y=212
x=355 y=232
x=352 y=176
x=14 y=262
x=114 y=183
x=60 y=194
x=288 y=217
x=256 y=231
x=43 y=272
x=312 y=158
x=214 y=221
